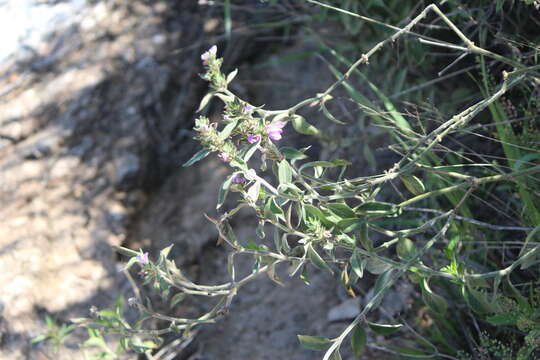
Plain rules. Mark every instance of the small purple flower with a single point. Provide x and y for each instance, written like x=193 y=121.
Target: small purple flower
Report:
x=275 y=130
x=224 y=157
x=238 y=179
x=226 y=117
x=248 y=108
x=252 y=139
x=210 y=53
x=143 y=258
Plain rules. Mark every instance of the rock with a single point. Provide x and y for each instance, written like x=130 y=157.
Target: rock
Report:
x=347 y=310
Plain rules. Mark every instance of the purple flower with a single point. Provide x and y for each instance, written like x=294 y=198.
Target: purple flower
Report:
x=248 y=108
x=252 y=139
x=143 y=258
x=238 y=179
x=275 y=130
x=210 y=53
x=224 y=157
x=226 y=118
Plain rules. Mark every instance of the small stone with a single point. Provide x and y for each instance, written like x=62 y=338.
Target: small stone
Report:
x=347 y=310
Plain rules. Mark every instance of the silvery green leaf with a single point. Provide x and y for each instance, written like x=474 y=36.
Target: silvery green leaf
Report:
x=350 y=225
x=177 y=299
x=377 y=208
x=227 y=130
x=165 y=252
x=335 y=355
x=358 y=340
x=224 y=190
x=231 y=76
x=225 y=98
x=250 y=151
x=320 y=163
x=201 y=154
x=329 y=115
x=317 y=260
x=357 y=263
x=303 y=127
x=384 y=329
x=342 y=210
x=364 y=239
x=205 y=100
x=316 y=213
x=376 y=266
x=292 y=154
x=253 y=191
x=406 y=250
x=314 y=342
x=281 y=116
x=383 y=282
x=413 y=184
x=284 y=172
x=285 y=244
x=125 y=251
x=130 y=263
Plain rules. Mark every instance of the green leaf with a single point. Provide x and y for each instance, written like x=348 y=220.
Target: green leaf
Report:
x=303 y=127
x=477 y=300
x=349 y=225
x=434 y=302
x=357 y=263
x=317 y=260
x=413 y=184
x=509 y=318
x=39 y=338
x=292 y=154
x=316 y=213
x=253 y=191
x=125 y=251
x=341 y=210
x=130 y=263
x=322 y=164
x=227 y=130
x=205 y=100
x=284 y=172
x=231 y=76
x=329 y=115
x=274 y=208
x=376 y=266
x=223 y=191
x=358 y=340
x=314 y=342
x=201 y=154
x=364 y=239
x=377 y=208
x=177 y=299
x=383 y=282
x=335 y=355
x=384 y=329
x=406 y=250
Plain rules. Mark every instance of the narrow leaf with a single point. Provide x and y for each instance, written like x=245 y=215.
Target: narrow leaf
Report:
x=317 y=260
x=314 y=342
x=303 y=127
x=384 y=329
x=201 y=154
x=358 y=340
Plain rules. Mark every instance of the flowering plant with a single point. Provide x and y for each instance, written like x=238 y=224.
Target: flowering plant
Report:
x=321 y=218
